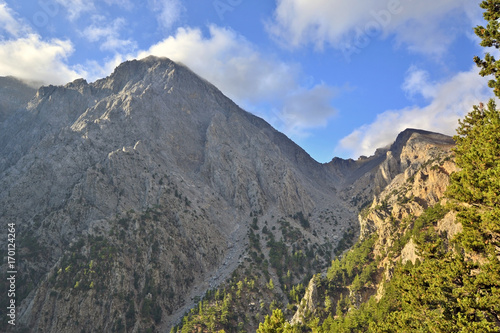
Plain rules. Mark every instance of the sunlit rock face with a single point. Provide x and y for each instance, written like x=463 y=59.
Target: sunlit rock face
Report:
x=133 y=195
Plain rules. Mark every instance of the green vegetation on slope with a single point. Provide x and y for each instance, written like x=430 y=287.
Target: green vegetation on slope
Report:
x=452 y=286
x=455 y=285
x=219 y=310
x=242 y=302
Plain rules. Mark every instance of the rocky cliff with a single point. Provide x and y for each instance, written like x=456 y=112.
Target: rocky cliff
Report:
x=421 y=166
x=134 y=195
x=412 y=177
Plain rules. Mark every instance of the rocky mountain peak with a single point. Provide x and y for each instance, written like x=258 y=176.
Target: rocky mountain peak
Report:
x=165 y=184
x=413 y=136
x=131 y=72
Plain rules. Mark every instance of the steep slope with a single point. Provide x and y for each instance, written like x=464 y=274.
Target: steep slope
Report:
x=394 y=230
x=428 y=259
x=134 y=194
x=411 y=174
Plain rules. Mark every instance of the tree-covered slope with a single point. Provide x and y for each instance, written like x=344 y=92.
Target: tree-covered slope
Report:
x=434 y=270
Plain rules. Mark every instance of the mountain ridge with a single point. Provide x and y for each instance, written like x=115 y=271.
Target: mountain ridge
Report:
x=152 y=174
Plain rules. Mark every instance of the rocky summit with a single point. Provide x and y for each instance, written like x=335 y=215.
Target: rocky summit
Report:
x=135 y=195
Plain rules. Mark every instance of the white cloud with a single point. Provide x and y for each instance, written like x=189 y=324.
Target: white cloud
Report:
x=351 y=27
x=109 y=34
x=308 y=108
x=169 y=12
x=9 y=23
x=236 y=67
x=451 y=100
x=417 y=83
x=26 y=56
x=32 y=59
x=228 y=61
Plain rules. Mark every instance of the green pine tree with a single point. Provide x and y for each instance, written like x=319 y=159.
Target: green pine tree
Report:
x=490 y=38
x=273 y=324
x=477 y=184
x=478 y=152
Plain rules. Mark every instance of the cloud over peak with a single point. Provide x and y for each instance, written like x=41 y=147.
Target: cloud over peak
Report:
x=236 y=67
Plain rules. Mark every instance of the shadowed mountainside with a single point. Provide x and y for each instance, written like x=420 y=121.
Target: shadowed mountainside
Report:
x=135 y=194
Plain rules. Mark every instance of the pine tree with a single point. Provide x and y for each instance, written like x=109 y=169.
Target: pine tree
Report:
x=273 y=324
x=328 y=303
x=476 y=190
x=490 y=38
x=478 y=152
x=270 y=285
x=478 y=182
x=338 y=308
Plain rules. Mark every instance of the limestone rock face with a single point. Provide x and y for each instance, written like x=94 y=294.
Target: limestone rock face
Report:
x=308 y=304
x=417 y=179
x=133 y=195
x=409 y=252
x=402 y=181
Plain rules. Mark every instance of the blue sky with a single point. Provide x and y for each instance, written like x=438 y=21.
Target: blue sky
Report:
x=341 y=78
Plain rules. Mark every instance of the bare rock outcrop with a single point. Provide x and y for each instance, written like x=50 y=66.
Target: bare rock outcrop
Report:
x=308 y=304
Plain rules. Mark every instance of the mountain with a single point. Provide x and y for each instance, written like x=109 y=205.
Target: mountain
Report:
x=428 y=257
x=417 y=169
x=135 y=196
x=412 y=174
